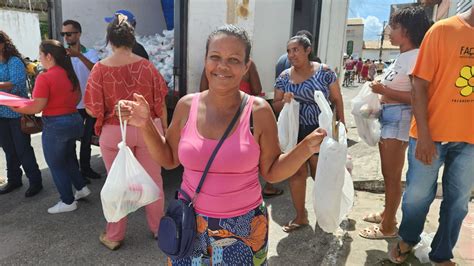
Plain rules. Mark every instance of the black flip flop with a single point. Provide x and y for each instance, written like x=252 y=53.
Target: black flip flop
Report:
x=277 y=193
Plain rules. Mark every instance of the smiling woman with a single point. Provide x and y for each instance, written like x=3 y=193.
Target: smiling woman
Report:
x=226 y=67
x=230 y=209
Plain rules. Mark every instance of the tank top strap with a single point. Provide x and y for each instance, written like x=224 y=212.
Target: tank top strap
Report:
x=194 y=109
x=190 y=127
x=245 y=118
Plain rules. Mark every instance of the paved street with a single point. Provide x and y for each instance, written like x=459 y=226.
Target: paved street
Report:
x=29 y=235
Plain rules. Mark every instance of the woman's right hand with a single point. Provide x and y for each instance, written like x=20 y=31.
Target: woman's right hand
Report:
x=287 y=97
x=136 y=113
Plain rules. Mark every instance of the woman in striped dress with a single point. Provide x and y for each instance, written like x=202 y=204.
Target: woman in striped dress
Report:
x=300 y=82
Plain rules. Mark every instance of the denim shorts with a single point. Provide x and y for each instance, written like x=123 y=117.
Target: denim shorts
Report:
x=395 y=121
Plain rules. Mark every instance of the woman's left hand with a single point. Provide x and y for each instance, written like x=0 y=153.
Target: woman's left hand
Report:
x=314 y=140
x=377 y=87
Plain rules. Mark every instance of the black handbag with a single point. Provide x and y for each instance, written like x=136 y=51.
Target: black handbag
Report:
x=177 y=230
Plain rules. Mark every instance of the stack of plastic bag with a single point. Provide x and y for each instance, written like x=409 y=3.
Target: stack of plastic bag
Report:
x=160 y=49
x=366 y=110
x=333 y=191
x=288 y=124
x=128 y=186
x=161 y=52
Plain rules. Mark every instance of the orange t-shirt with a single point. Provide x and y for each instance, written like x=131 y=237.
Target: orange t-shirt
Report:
x=446 y=60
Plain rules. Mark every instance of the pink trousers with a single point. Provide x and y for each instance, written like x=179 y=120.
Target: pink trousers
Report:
x=109 y=139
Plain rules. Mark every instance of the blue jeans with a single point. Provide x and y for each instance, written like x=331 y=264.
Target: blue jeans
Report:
x=59 y=147
x=458 y=176
x=18 y=152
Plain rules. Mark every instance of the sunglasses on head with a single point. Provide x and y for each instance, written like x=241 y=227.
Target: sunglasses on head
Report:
x=68 y=34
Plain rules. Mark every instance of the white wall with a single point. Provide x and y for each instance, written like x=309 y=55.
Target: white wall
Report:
x=91 y=14
x=24 y=30
x=332 y=32
x=268 y=25
x=355 y=33
x=273 y=24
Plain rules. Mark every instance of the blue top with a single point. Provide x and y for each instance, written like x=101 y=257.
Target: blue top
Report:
x=304 y=92
x=282 y=64
x=13 y=71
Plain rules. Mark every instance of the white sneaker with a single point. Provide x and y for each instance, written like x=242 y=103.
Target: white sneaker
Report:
x=62 y=207
x=84 y=192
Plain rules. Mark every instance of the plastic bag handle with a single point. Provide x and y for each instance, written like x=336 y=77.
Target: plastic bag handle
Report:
x=123 y=124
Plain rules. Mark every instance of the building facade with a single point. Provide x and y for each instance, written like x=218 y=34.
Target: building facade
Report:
x=354 y=37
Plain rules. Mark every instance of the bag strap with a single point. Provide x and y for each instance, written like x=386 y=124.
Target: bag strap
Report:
x=221 y=141
x=123 y=124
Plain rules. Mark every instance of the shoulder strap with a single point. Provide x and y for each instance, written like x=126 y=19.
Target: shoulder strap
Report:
x=221 y=141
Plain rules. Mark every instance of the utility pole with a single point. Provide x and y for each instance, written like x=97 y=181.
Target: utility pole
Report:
x=381 y=40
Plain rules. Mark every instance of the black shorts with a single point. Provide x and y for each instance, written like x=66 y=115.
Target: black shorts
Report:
x=304 y=131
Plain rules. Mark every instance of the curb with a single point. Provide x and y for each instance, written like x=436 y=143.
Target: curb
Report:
x=378 y=186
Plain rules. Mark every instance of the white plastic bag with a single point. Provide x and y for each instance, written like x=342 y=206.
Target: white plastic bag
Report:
x=423 y=248
x=333 y=191
x=128 y=186
x=366 y=109
x=288 y=124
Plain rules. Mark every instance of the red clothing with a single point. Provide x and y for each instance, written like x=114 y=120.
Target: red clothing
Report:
x=107 y=85
x=365 y=71
x=359 y=66
x=57 y=88
x=350 y=64
x=245 y=87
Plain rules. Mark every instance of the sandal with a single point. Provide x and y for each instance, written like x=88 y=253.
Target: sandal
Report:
x=400 y=254
x=373 y=232
x=112 y=245
x=375 y=218
x=268 y=195
x=291 y=226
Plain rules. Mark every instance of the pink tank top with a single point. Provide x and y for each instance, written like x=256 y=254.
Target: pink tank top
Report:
x=231 y=187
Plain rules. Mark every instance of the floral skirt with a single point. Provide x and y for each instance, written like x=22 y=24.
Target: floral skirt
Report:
x=240 y=240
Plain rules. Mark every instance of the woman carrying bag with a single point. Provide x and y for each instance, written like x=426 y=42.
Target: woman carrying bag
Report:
x=118 y=77
x=232 y=223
